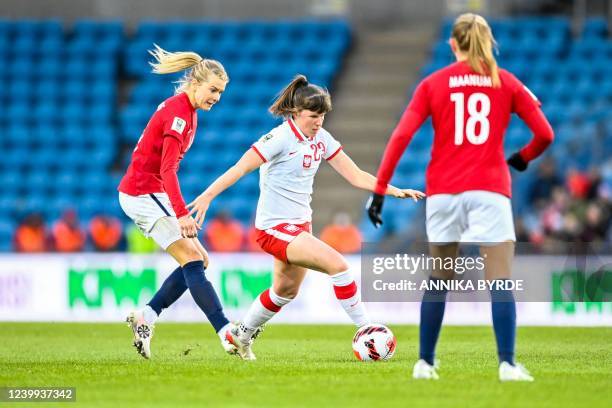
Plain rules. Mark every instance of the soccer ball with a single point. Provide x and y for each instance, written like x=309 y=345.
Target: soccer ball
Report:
x=374 y=342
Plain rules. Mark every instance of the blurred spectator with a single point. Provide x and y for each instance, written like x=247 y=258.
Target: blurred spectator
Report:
x=596 y=224
x=105 y=232
x=137 y=243
x=224 y=234
x=552 y=215
x=570 y=228
x=578 y=183
x=67 y=234
x=544 y=182
x=31 y=235
x=342 y=235
x=595 y=184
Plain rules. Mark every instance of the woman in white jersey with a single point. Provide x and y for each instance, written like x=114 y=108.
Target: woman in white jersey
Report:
x=289 y=157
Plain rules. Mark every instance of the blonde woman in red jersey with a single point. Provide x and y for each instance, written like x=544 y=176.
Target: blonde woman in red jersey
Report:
x=468 y=180
x=150 y=194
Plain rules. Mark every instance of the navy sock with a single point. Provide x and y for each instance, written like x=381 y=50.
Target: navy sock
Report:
x=503 y=310
x=432 y=313
x=172 y=289
x=204 y=294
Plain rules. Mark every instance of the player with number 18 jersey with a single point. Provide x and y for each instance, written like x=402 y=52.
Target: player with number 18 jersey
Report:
x=467 y=180
x=470 y=118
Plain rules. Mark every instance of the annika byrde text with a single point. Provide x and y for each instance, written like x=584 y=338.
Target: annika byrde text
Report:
x=412 y=264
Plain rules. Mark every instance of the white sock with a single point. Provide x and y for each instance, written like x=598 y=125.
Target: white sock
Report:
x=264 y=308
x=149 y=315
x=349 y=297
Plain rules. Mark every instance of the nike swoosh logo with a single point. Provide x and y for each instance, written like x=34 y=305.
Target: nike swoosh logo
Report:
x=291 y=153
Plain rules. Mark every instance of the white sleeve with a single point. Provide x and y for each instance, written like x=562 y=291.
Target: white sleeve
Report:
x=332 y=146
x=270 y=146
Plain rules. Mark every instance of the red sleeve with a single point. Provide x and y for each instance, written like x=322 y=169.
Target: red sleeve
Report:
x=543 y=134
x=169 y=165
x=400 y=138
x=420 y=99
x=523 y=100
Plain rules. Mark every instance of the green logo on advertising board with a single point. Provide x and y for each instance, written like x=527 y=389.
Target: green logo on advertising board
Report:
x=575 y=290
x=88 y=286
x=239 y=287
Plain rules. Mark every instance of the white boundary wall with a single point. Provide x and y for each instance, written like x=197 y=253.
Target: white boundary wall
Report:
x=104 y=287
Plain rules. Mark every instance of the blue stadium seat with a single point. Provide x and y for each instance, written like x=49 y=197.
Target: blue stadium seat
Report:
x=19 y=111
x=7 y=228
x=97 y=29
x=595 y=27
x=10 y=179
x=49 y=69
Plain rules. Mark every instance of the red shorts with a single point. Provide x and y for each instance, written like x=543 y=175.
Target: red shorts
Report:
x=276 y=239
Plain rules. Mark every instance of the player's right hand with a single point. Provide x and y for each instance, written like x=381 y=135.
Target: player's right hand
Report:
x=199 y=206
x=374 y=208
x=189 y=228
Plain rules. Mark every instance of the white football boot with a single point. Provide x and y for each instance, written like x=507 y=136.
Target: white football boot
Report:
x=143 y=333
x=516 y=372
x=225 y=343
x=424 y=371
x=242 y=337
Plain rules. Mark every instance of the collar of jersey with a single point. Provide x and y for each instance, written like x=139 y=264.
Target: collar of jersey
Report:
x=185 y=98
x=296 y=131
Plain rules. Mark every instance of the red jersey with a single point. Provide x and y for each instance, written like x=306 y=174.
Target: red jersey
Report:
x=159 y=151
x=470 y=118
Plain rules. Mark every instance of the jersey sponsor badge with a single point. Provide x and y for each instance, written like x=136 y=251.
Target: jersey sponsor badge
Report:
x=178 y=125
x=267 y=137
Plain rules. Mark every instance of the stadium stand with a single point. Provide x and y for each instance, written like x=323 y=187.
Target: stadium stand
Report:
x=58 y=127
x=63 y=127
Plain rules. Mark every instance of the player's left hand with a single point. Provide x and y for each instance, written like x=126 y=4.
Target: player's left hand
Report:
x=374 y=209
x=199 y=206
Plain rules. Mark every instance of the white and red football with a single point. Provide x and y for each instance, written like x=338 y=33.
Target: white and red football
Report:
x=374 y=342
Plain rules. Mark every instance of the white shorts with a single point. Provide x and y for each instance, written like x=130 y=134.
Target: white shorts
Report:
x=471 y=216
x=154 y=216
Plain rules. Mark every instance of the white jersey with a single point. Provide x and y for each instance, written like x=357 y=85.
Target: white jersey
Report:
x=286 y=177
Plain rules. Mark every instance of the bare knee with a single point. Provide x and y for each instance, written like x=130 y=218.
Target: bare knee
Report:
x=338 y=265
x=184 y=252
x=288 y=290
x=194 y=255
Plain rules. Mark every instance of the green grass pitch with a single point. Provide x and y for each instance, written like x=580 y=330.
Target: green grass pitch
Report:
x=302 y=365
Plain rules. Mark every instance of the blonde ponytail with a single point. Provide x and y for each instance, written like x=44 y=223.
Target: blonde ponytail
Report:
x=474 y=37
x=170 y=62
x=198 y=68
x=300 y=95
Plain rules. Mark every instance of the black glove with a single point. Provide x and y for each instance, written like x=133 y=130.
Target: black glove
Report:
x=374 y=208
x=517 y=162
